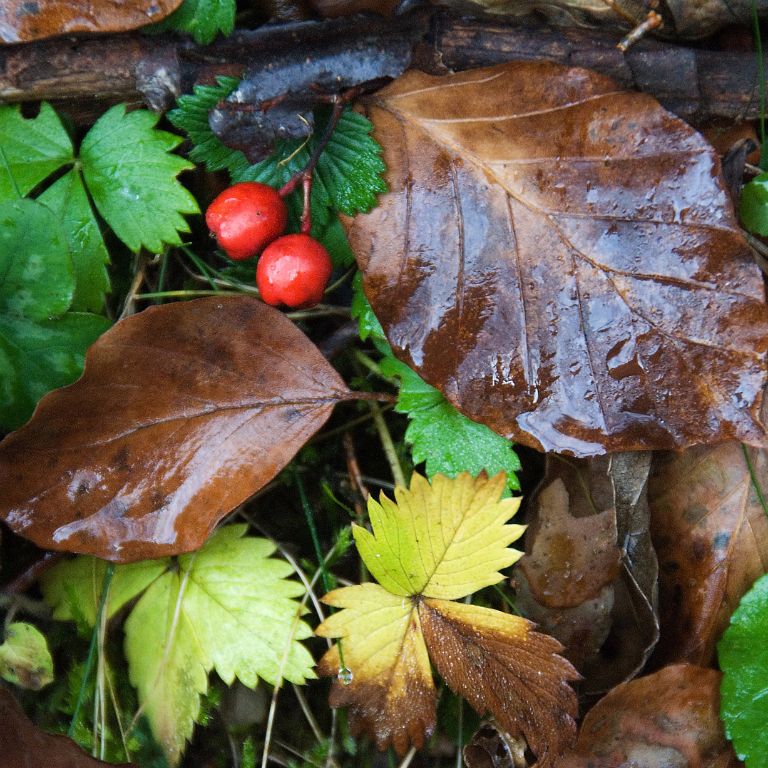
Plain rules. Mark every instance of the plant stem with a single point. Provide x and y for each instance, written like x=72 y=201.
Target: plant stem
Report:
x=188 y=294
x=108 y=573
x=388 y=445
x=762 y=83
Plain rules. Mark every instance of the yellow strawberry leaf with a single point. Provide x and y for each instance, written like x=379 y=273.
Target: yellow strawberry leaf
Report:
x=433 y=543
x=446 y=540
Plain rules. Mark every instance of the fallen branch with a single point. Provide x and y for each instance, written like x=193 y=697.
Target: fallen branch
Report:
x=696 y=84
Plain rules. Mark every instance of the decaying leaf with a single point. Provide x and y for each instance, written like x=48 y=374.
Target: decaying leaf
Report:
x=590 y=573
x=433 y=545
x=560 y=258
x=25 y=746
x=493 y=748
x=183 y=412
x=711 y=535
x=21 y=21
x=24 y=657
x=669 y=718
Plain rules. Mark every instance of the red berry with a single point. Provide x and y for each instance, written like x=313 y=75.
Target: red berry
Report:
x=245 y=217
x=293 y=270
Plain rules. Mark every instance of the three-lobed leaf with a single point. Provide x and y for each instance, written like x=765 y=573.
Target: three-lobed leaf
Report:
x=207 y=400
x=204 y=20
x=521 y=265
x=430 y=546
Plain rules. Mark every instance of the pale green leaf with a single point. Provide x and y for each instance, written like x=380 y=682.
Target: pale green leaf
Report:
x=24 y=657
x=131 y=177
x=73 y=587
x=30 y=149
x=743 y=656
x=228 y=607
x=68 y=200
x=444 y=540
x=754 y=205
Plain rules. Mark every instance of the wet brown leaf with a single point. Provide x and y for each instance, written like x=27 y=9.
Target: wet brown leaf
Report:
x=560 y=258
x=183 y=412
x=711 y=535
x=500 y=666
x=666 y=719
x=22 y=21
x=491 y=747
x=22 y=745
x=589 y=577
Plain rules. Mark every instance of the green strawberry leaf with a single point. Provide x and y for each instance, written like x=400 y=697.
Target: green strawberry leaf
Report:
x=351 y=167
x=203 y=19
x=368 y=324
x=754 y=205
x=228 y=607
x=743 y=656
x=42 y=346
x=38 y=356
x=191 y=116
x=334 y=239
x=132 y=179
x=30 y=150
x=68 y=200
x=24 y=657
x=36 y=277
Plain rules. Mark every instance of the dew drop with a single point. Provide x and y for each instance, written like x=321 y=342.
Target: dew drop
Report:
x=345 y=676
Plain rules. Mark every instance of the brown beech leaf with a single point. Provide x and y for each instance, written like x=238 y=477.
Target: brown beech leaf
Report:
x=183 y=412
x=22 y=745
x=560 y=258
x=669 y=718
x=711 y=535
x=590 y=573
x=22 y=21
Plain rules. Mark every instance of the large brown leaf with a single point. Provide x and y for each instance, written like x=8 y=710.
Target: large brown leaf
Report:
x=711 y=535
x=590 y=573
x=183 y=412
x=22 y=21
x=22 y=745
x=666 y=719
x=560 y=259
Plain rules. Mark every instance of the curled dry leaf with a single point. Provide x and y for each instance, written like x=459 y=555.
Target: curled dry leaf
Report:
x=21 y=21
x=560 y=258
x=183 y=412
x=669 y=718
x=711 y=535
x=431 y=546
x=590 y=573
x=22 y=745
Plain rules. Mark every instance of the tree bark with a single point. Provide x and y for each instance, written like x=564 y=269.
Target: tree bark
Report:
x=698 y=85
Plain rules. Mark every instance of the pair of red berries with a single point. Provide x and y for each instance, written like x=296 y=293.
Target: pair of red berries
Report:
x=293 y=269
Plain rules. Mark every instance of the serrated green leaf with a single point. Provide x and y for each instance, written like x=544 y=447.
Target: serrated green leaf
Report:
x=428 y=540
x=38 y=356
x=368 y=324
x=36 y=277
x=68 y=200
x=31 y=149
x=191 y=116
x=754 y=205
x=132 y=178
x=203 y=19
x=743 y=656
x=351 y=167
x=24 y=657
x=442 y=437
x=228 y=607
x=72 y=588
x=334 y=239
